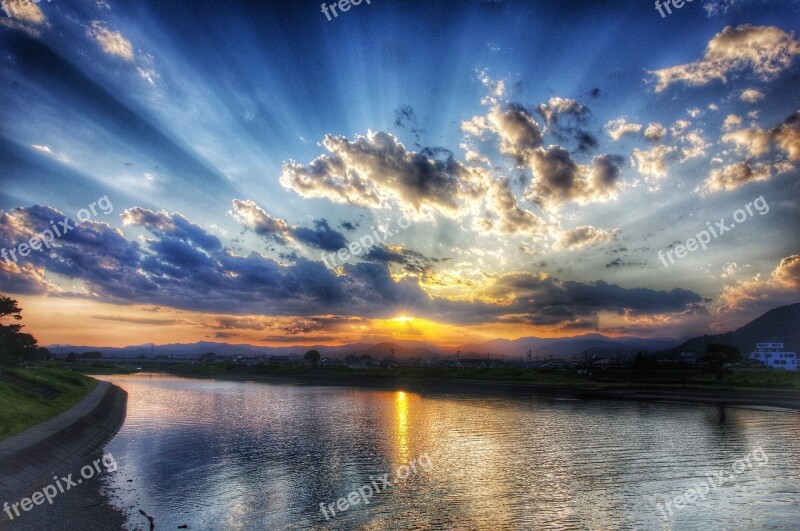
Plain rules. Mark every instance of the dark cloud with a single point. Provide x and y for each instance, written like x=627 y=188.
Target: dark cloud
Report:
x=174 y=269
x=321 y=236
x=412 y=261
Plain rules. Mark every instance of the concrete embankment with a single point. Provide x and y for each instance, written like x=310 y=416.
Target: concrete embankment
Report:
x=29 y=460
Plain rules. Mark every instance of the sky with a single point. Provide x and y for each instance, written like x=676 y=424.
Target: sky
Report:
x=446 y=172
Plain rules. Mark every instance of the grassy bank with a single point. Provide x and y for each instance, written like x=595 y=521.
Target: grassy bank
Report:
x=21 y=409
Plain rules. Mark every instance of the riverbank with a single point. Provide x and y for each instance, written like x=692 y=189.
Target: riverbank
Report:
x=59 y=447
x=783 y=399
x=31 y=396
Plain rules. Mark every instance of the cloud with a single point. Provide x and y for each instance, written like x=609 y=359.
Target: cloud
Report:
x=732 y=121
x=721 y=7
x=757 y=294
x=504 y=215
x=43 y=149
x=518 y=131
x=377 y=171
x=735 y=175
x=652 y=162
x=557 y=106
x=540 y=299
x=558 y=178
x=581 y=237
x=680 y=127
x=694 y=145
x=321 y=236
x=655 y=131
x=787 y=136
x=764 y=51
x=257 y=220
x=754 y=142
x=620 y=127
x=166 y=225
x=751 y=96
x=26 y=12
x=112 y=42
x=173 y=270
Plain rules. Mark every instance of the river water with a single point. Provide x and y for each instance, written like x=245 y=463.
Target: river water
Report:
x=231 y=455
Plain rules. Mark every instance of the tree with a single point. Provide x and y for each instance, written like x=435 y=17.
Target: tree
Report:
x=312 y=356
x=718 y=355
x=14 y=343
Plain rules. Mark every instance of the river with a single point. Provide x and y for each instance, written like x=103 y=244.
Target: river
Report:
x=214 y=454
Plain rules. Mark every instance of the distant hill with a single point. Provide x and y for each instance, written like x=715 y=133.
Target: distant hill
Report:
x=383 y=350
x=780 y=325
x=568 y=347
x=402 y=349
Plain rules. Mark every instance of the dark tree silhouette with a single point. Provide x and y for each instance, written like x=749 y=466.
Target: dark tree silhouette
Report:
x=312 y=356
x=718 y=355
x=14 y=344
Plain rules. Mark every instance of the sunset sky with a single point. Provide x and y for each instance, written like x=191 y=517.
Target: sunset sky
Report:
x=540 y=154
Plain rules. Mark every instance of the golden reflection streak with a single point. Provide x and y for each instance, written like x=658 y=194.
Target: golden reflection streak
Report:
x=401 y=412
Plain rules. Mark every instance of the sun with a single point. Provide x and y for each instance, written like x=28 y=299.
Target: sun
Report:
x=403 y=319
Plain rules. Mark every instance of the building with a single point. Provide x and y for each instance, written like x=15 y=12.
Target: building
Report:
x=772 y=355
x=280 y=361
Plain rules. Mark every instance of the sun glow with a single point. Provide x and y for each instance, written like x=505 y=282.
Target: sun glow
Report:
x=403 y=319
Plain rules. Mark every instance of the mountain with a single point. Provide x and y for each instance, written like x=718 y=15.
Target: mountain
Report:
x=568 y=347
x=779 y=325
x=402 y=349
x=383 y=350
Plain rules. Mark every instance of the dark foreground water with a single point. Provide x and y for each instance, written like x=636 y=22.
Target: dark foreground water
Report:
x=230 y=455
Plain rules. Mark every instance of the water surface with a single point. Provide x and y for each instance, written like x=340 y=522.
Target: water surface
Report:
x=232 y=455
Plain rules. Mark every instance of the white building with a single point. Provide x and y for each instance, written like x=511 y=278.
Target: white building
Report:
x=772 y=355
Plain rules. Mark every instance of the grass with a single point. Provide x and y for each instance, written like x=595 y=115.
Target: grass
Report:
x=20 y=410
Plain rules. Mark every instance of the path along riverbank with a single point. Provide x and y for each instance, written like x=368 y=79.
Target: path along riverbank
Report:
x=58 y=447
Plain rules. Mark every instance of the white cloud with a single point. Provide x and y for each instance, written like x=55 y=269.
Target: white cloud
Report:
x=655 y=131
x=680 y=127
x=753 y=142
x=765 y=51
x=112 y=42
x=652 y=162
x=735 y=175
x=620 y=127
x=732 y=121
x=751 y=96
x=581 y=237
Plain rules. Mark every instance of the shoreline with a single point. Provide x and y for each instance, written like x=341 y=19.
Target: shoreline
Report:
x=59 y=447
x=780 y=399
